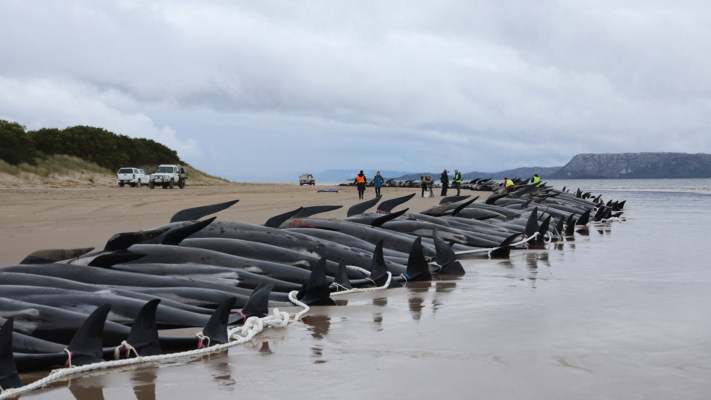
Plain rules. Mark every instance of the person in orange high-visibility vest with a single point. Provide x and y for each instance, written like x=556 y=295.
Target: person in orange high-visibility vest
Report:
x=360 y=181
x=509 y=184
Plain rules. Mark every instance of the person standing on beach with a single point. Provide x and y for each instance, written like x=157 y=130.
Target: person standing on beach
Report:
x=426 y=181
x=378 y=183
x=445 y=183
x=457 y=180
x=360 y=181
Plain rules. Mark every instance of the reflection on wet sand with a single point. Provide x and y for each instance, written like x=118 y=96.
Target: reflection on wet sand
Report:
x=144 y=386
x=265 y=348
x=442 y=289
x=88 y=392
x=221 y=371
x=380 y=301
x=318 y=325
x=416 y=300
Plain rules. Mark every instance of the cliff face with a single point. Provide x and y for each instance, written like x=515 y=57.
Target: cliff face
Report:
x=636 y=166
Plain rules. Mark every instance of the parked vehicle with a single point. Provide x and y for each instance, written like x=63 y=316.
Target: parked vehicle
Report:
x=132 y=176
x=168 y=175
x=307 y=179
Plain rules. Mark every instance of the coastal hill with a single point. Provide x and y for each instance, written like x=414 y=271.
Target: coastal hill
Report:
x=636 y=166
x=80 y=156
x=523 y=172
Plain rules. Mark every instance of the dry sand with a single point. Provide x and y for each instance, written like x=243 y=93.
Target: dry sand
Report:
x=54 y=218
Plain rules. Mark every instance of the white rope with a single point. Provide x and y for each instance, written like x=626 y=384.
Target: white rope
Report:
x=549 y=236
x=252 y=326
x=522 y=242
x=611 y=219
x=373 y=289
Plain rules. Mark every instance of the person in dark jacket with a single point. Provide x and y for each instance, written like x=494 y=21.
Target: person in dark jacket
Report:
x=445 y=182
x=378 y=183
x=360 y=181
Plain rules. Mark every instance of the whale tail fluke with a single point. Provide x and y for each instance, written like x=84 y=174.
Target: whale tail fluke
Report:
x=316 y=290
x=86 y=345
x=216 y=327
x=8 y=370
x=144 y=331
x=446 y=258
x=388 y=205
x=177 y=235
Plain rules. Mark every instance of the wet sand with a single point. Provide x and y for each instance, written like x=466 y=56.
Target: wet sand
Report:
x=619 y=313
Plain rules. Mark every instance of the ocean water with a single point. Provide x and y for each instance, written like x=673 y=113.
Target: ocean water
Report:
x=619 y=312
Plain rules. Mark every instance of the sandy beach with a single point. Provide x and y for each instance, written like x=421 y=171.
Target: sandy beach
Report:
x=54 y=218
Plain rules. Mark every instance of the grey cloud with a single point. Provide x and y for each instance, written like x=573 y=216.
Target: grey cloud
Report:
x=486 y=85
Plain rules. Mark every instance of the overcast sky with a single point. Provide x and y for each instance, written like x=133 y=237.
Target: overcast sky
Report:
x=258 y=90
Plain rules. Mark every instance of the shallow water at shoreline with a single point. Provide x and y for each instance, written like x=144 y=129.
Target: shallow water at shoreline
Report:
x=621 y=312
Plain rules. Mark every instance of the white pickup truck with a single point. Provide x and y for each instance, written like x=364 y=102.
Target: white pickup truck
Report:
x=168 y=175
x=132 y=176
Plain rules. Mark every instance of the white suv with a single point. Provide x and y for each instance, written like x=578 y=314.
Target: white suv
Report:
x=133 y=176
x=167 y=175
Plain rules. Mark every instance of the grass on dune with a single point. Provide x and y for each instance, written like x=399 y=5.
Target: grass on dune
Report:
x=54 y=165
x=58 y=165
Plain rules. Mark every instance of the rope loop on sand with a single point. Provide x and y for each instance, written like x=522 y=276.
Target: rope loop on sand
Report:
x=252 y=326
x=373 y=289
x=128 y=347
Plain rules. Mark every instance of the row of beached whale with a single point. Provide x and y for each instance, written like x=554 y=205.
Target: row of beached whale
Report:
x=481 y=184
x=74 y=307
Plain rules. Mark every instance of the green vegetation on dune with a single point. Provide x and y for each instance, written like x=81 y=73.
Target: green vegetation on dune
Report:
x=59 y=164
x=96 y=145
x=50 y=151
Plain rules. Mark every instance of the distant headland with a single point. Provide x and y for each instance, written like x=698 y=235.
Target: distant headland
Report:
x=606 y=166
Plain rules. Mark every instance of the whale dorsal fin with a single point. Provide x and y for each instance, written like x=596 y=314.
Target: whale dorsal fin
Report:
x=86 y=345
x=144 y=331
x=194 y=214
x=175 y=236
x=362 y=207
x=276 y=221
x=122 y=241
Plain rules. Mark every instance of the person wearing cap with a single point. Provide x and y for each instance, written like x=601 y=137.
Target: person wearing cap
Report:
x=445 y=183
x=535 y=179
x=360 y=181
